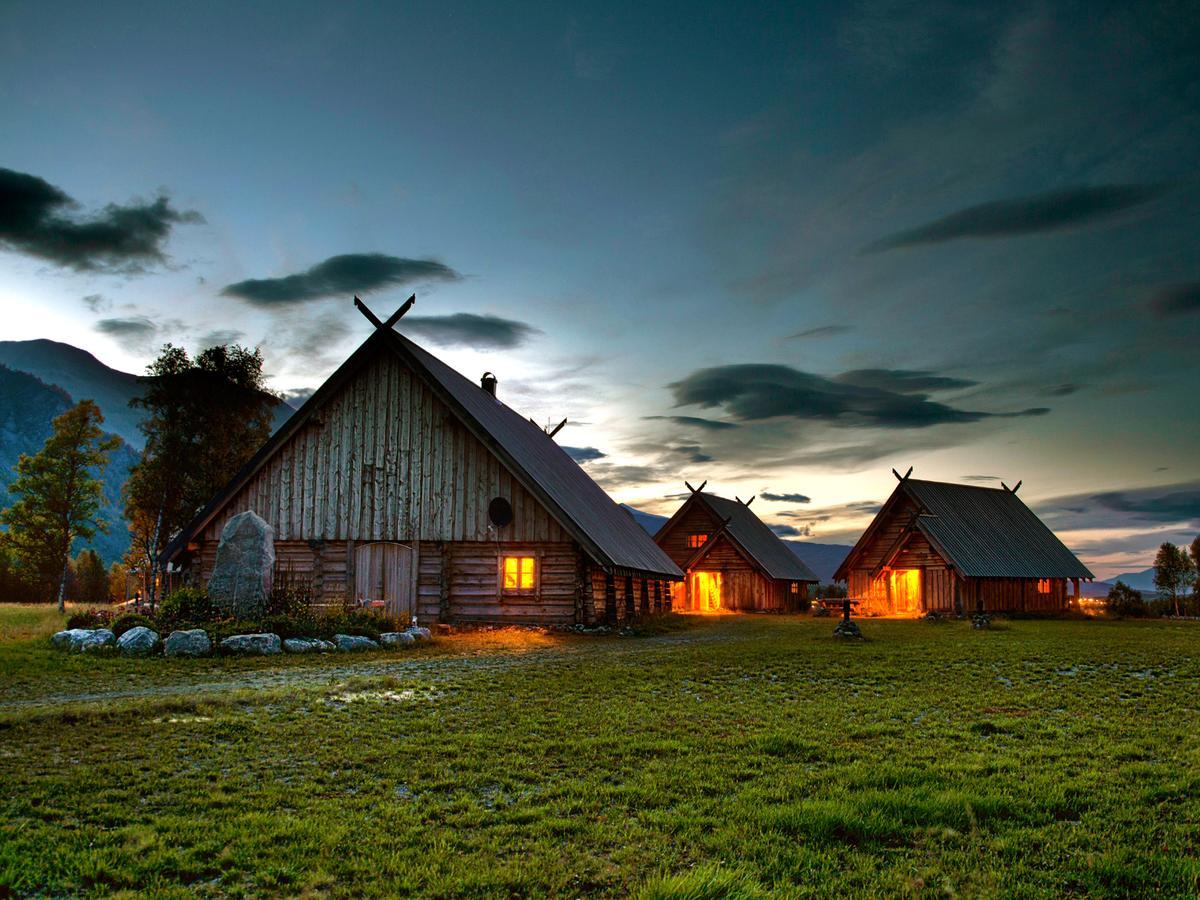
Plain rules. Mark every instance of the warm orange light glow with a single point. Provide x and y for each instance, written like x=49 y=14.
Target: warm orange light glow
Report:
x=905 y=590
x=706 y=591
x=696 y=541
x=1043 y=585
x=519 y=573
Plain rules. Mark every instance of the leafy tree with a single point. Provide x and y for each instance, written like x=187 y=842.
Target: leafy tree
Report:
x=89 y=580
x=1195 y=551
x=1173 y=573
x=1124 y=601
x=204 y=419
x=118 y=576
x=59 y=495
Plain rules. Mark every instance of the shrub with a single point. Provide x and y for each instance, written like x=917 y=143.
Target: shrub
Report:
x=290 y=626
x=122 y=624
x=188 y=605
x=364 y=622
x=1123 y=601
x=290 y=605
x=91 y=618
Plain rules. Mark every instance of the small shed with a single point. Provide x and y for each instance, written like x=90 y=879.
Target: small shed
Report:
x=956 y=548
x=731 y=559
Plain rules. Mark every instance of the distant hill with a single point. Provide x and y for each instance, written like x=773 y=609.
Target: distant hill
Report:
x=1140 y=581
x=823 y=559
x=86 y=378
x=28 y=406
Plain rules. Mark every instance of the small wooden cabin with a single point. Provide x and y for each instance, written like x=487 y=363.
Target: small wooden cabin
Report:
x=957 y=548
x=402 y=483
x=731 y=559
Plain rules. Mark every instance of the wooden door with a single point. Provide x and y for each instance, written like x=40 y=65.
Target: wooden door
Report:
x=385 y=578
x=706 y=591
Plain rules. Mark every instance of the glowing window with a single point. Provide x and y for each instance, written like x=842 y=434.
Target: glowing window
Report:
x=795 y=587
x=696 y=541
x=520 y=573
x=1043 y=585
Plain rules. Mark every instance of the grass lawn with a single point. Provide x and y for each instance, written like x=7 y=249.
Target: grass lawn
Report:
x=730 y=757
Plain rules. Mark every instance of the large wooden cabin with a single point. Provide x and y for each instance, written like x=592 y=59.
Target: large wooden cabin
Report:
x=402 y=482
x=731 y=559
x=956 y=548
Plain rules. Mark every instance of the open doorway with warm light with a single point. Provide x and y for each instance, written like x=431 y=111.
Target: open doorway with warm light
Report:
x=904 y=591
x=705 y=591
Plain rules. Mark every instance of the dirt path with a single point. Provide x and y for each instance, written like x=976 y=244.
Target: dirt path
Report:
x=330 y=670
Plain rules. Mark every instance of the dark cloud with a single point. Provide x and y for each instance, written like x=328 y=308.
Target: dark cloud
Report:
x=38 y=219
x=219 y=338
x=981 y=479
x=139 y=326
x=97 y=303
x=350 y=273
x=792 y=530
x=786 y=498
x=584 y=454
x=1131 y=507
x=756 y=391
x=1176 y=299
x=1060 y=390
x=692 y=453
x=1052 y=211
x=696 y=421
x=470 y=330
x=820 y=332
x=903 y=381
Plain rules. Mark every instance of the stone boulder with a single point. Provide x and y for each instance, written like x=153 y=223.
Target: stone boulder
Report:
x=847 y=629
x=349 y=643
x=241 y=577
x=99 y=640
x=69 y=639
x=139 y=641
x=193 y=642
x=397 y=639
x=420 y=634
x=252 y=644
x=308 y=645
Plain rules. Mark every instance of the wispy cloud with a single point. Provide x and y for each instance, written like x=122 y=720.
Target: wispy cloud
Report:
x=1176 y=299
x=470 y=330
x=1052 y=211
x=350 y=273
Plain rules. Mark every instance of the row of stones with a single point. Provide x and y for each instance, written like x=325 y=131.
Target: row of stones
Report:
x=142 y=641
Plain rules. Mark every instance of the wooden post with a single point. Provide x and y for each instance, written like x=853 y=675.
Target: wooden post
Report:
x=610 y=600
x=645 y=597
x=846 y=609
x=658 y=603
x=629 y=608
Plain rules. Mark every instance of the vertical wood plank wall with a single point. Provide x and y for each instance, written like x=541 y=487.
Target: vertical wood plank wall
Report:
x=385 y=461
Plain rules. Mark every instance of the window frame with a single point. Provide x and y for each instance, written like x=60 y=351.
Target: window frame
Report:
x=519 y=592
x=696 y=540
x=1049 y=586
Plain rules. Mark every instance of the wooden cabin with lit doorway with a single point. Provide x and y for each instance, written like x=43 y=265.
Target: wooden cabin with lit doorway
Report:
x=731 y=559
x=404 y=486
x=959 y=549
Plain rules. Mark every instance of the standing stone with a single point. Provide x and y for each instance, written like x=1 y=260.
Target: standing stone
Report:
x=194 y=642
x=241 y=578
x=139 y=641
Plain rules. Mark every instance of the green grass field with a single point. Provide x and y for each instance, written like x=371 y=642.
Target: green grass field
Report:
x=728 y=757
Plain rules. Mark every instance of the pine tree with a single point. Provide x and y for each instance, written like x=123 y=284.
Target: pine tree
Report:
x=59 y=495
x=89 y=578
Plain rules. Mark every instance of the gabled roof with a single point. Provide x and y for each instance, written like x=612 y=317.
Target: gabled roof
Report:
x=606 y=532
x=759 y=543
x=982 y=532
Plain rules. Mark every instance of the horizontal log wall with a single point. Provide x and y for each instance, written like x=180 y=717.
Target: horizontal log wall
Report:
x=384 y=459
x=939 y=584
x=604 y=609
